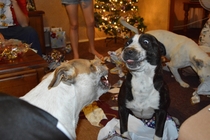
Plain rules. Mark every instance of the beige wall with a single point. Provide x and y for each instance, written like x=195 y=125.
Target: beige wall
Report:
x=155 y=14
x=55 y=15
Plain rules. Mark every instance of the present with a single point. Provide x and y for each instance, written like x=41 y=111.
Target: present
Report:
x=57 y=38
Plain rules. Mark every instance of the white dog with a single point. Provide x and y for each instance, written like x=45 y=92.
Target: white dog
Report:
x=64 y=92
x=183 y=52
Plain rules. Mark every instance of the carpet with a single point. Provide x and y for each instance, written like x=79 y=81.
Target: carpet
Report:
x=180 y=107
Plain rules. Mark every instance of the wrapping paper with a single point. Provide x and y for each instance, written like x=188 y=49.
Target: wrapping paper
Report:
x=94 y=114
x=203 y=89
x=137 y=130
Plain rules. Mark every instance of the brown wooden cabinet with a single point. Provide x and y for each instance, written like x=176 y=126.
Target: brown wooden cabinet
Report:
x=19 y=76
x=36 y=21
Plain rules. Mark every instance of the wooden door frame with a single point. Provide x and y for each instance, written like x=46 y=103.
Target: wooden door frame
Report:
x=171 y=15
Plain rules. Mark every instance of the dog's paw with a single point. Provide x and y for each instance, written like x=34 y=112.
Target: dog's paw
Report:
x=177 y=122
x=195 y=98
x=157 y=138
x=126 y=135
x=184 y=85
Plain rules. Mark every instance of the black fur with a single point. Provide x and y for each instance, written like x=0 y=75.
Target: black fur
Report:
x=154 y=51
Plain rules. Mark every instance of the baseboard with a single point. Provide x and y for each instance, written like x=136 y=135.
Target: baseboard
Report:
x=86 y=40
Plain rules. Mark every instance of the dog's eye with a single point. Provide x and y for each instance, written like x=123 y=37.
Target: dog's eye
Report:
x=146 y=41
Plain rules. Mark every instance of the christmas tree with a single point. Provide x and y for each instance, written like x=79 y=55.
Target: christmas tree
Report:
x=108 y=12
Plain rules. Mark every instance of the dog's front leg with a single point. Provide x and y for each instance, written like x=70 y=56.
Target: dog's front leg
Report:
x=176 y=74
x=125 y=95
x=123 y=114
x=160 y=119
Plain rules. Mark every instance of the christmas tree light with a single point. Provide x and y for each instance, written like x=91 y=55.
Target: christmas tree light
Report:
x=108 y=12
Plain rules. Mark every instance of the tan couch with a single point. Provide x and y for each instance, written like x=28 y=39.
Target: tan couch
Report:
x=197 y=127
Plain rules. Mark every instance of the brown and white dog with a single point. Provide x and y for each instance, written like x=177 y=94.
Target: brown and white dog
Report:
x=183 y=52
x=64 y=92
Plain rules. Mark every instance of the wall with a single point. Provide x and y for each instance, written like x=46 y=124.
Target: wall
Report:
x=55 y=15
x=155 y=14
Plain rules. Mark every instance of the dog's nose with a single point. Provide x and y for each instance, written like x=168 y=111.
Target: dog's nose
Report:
x=130 y=51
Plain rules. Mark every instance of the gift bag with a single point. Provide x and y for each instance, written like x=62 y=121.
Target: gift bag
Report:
x=57 y=38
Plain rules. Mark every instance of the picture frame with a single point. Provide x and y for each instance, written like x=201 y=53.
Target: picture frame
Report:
x=31 y=5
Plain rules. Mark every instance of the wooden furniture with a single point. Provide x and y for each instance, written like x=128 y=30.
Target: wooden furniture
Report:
x=36 y=21
x=187 y=6
x=20 y=75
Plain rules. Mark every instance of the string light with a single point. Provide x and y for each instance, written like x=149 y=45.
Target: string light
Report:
x=108 y=12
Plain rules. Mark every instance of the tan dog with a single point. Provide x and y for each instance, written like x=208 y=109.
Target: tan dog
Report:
x=183 y=52
x=64 y=92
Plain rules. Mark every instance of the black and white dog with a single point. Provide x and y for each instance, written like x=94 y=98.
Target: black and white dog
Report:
x=144 y=92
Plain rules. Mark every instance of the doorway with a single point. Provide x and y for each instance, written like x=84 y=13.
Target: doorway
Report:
x=196 y=13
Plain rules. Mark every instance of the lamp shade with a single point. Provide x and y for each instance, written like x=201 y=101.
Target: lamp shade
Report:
x=205 y=4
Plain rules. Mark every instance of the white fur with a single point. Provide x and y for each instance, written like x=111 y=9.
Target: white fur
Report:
x=65 y=101
x=66 y=104
x=141 y=54
x=157 y=138
x=183 y=52
x=146 y=97
x=127 y=135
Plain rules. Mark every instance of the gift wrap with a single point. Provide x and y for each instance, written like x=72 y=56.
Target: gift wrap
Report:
x=137 y=130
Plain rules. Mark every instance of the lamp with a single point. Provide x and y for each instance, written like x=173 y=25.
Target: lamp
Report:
x=205 y=4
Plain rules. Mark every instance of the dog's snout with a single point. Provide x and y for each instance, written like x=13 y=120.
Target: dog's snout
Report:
x=129 y=51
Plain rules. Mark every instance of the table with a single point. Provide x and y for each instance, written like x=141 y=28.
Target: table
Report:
x=36 y=21
x=186 y=8
x=20 y=75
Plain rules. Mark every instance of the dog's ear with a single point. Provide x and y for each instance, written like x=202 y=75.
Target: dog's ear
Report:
x=162 y=48
x=160 y=45
x=63 y=73
x=95 y=62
